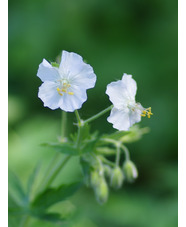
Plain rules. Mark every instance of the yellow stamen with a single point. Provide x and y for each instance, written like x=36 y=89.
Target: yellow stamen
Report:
x=64 y=90
x=70 y=93
x=59 y=91
x=147 y=112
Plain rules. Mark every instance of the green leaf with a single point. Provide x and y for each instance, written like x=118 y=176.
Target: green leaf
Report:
x=16 y=211
x=32 y=179
x=89 y=145
x=134 y=134
x=65 y=148
x=16 y=190
x=116 y=135
x=52 y=217
x=54 y=195
x=12 y=202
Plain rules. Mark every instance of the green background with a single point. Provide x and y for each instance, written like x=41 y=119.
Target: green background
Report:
x=114 y=37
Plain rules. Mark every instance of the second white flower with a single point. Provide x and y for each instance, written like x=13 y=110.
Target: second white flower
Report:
x=126 y=111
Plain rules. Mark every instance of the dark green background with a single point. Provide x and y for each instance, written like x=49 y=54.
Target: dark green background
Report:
x=114 y=37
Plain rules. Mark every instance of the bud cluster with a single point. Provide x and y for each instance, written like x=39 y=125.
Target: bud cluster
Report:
x=105 y=174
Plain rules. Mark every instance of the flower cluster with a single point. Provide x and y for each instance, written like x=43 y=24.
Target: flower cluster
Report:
x=104 y=158
x=65 y=87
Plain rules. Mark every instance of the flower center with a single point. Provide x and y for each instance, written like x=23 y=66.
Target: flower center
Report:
x=147 y=112
x=64 y=87
x=133 y=106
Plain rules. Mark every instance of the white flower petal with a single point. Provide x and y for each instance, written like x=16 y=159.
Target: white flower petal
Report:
x=130 y=85
x=117 y=94
x=73 y=68
x=119 y=119
x=85 y=79
x=73 y=102
x=122 y=92
x=46 y=72
x=71 y=63
x=49 y=95
x=134 y=116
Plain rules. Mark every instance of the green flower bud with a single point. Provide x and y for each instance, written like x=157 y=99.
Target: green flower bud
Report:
x=94 y=178
x=101 y=191
x=107 y=171
x=130 y=171
x=117 y=178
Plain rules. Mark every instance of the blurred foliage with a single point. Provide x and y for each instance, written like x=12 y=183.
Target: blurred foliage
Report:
x=114 y=36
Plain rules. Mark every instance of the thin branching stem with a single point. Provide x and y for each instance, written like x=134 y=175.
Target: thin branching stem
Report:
x=117 y=155
x=98 y=115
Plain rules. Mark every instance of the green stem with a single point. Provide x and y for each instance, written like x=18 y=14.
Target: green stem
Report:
x=63 y=125
x=63 y=162
x=80 y=126
x=78 y=118
x=117 y=155
x=56 y=156
x=78 y=137
x=126 y=151
x=107 y=140
x=98 y=115
x=120 y=145
x=106 y=161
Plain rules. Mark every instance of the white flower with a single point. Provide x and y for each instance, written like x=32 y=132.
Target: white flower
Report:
x=65 y=87
x=126 y=111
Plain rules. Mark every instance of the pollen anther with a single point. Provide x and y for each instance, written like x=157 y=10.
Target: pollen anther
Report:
x=59 y=91
x=147 y=112
x=64 y=88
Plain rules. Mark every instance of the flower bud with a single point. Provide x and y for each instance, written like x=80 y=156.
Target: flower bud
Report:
x=101 y=191
x=107 y=171
x=130 y=171
x=117 y=178
x=94 y=178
